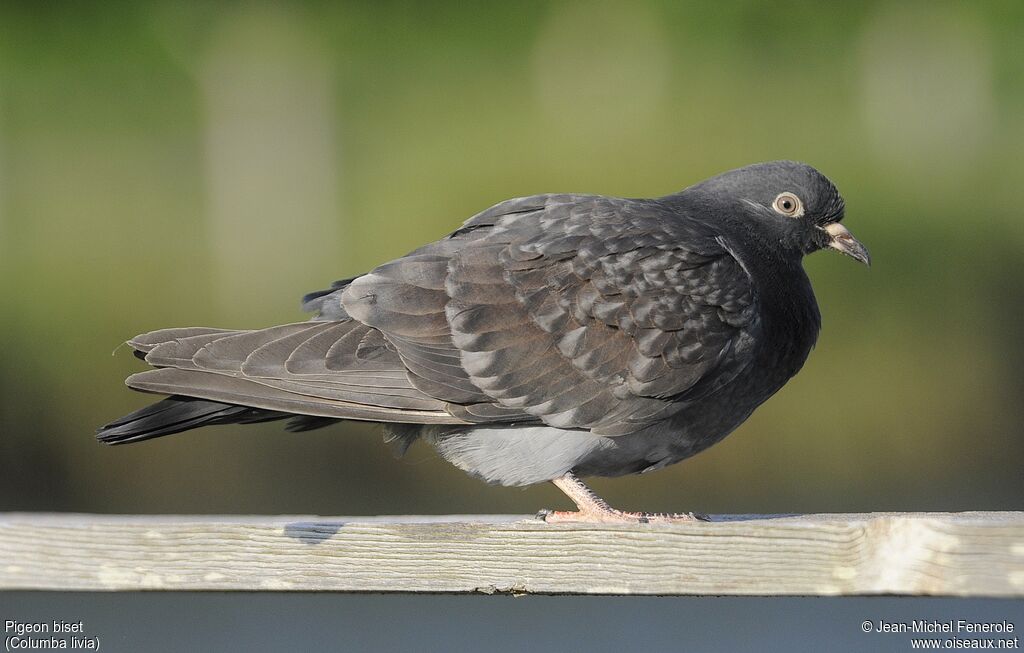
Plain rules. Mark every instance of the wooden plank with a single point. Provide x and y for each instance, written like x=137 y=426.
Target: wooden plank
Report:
x=963 y=554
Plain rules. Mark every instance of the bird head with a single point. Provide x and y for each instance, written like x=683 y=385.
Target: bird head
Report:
x=785 y=202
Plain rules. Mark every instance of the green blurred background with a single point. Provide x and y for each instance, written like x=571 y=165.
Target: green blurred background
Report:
x=163 y=164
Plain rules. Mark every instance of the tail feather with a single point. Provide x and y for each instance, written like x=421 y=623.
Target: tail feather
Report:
x=316 y=373
x=177 y=413
x=302 y=423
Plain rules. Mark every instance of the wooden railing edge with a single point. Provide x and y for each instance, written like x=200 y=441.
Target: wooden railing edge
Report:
x=939 y=554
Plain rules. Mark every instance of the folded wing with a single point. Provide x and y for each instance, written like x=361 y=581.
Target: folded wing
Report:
x=579 y=311
x=335 y=369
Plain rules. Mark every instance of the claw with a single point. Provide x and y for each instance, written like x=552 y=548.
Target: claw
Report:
x=613 y=516
x=595 y=510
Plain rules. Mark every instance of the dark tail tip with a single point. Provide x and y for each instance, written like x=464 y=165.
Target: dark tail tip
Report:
x=176 y=414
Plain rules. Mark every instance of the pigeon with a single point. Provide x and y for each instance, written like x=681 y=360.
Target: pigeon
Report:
x=548 y=338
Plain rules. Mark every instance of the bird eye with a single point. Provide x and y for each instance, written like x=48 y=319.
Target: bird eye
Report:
x=788 y=205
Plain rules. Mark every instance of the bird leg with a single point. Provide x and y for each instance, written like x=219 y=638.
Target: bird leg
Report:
x=593 y=509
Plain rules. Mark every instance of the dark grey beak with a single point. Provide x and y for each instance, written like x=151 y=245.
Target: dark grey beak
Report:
x=842 y=240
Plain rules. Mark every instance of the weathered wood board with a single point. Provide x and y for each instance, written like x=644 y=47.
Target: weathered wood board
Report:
x=962 y=554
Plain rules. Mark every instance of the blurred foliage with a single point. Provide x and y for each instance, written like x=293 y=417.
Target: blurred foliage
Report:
x=171 y=164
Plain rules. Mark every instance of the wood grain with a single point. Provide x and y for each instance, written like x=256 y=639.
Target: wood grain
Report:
x=963 y=554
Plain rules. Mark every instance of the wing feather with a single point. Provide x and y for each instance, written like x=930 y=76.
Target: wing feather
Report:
x=578 y=311
x=583 y=311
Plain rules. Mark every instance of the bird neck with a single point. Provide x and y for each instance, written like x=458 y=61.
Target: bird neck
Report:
x=789 y=310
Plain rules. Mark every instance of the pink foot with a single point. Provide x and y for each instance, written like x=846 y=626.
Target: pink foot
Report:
x=595 y=510
x=613 y=516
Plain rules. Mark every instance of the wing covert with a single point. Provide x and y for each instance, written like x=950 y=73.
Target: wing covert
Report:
x=580 y=311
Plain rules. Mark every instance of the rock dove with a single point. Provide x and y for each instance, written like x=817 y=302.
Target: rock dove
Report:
x=549 y=337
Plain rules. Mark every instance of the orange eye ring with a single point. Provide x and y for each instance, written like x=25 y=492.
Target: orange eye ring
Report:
x=788 y=204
